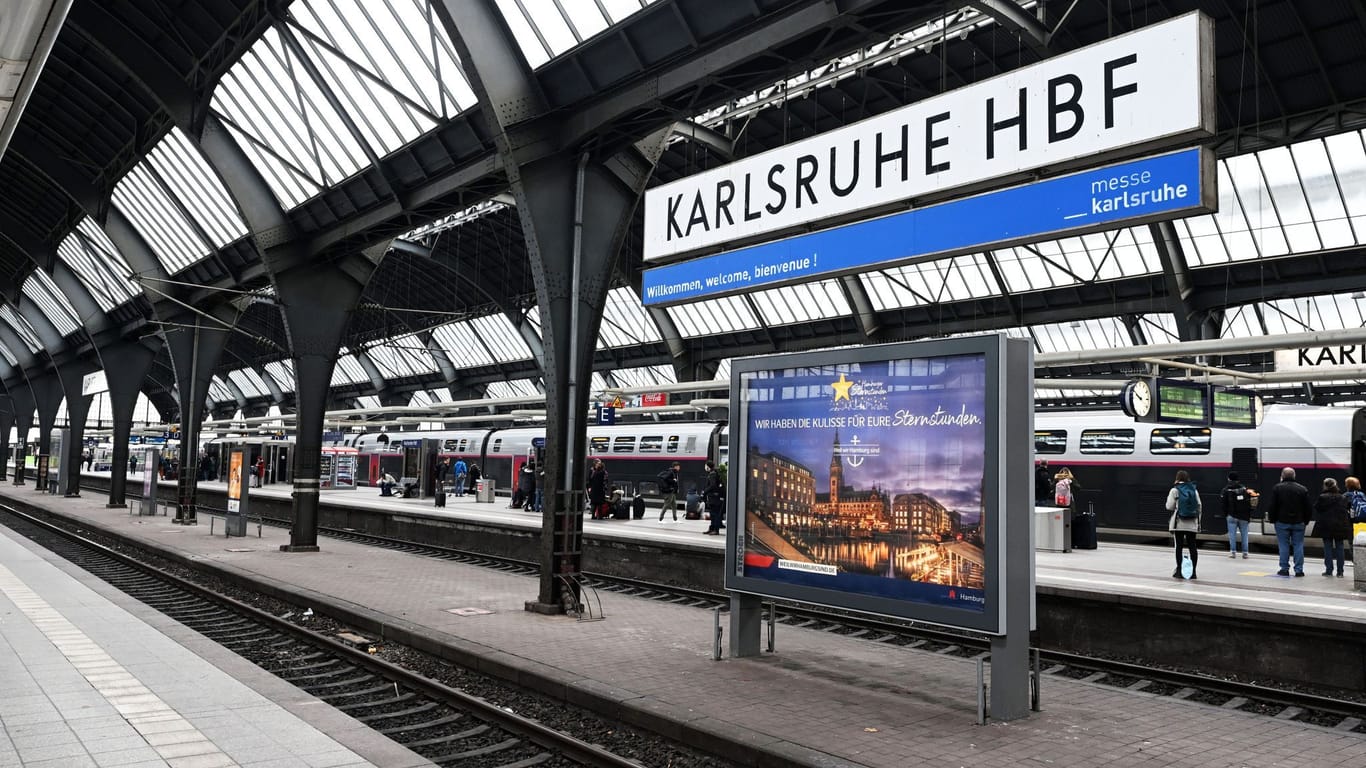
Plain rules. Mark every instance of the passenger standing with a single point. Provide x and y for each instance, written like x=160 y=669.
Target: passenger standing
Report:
x=597 y=490
x=714 y=496
x=1043 y=483
x=526 y=485
x=460 y=470
x=1288 y=508
x=1355 y=499
x=1183 y=501
x=668 y=485
x=1333 y=524
x=474 y=475
x=443 y=470
x=260 y=471
x=1237 y=506
x=1065 y=487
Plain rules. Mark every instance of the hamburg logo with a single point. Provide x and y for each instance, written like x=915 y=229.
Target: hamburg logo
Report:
x=841 y=388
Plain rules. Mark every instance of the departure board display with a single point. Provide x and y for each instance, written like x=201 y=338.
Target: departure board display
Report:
x=1182 y=402
x=1236 y=408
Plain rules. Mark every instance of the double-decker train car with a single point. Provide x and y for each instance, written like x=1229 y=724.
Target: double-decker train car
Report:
x=1125 y=468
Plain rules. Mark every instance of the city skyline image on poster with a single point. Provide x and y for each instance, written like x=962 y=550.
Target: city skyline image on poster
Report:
x=869 y=478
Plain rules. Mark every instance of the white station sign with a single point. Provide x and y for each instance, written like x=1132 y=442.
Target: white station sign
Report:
x=1319 y=358
x=94 y=383
x=1121 y=97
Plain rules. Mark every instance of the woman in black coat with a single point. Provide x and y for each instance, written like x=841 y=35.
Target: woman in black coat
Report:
x=597 y=489
x=1333 y=524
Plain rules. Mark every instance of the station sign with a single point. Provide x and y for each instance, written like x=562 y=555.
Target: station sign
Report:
x=94 y=383
x=1319 y=358
x=1123 y=97
x=654 y=399
x=1167 y=186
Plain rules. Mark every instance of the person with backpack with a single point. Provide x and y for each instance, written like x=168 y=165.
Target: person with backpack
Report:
x=1065 y=487
x=461 y=471
x=1355 y=499
x=1237 y=506
x=714 y=497
x=1043 y=483
x=1183 y=501
x=1288 y=508
x=668 y=485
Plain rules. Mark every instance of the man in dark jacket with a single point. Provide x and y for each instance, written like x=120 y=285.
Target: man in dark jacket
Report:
x=1043 y=484
x=714 y=495
x=1288 y=508
x=1237 y=508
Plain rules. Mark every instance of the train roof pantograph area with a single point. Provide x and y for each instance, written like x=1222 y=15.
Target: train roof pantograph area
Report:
x=170 y=161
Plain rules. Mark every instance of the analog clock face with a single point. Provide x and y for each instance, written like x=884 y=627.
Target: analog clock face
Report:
x=1258 y=410
x=1142 y=398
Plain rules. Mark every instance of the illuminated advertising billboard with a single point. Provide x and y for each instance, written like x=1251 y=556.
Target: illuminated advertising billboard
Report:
x=872 y=479
x=235 y=481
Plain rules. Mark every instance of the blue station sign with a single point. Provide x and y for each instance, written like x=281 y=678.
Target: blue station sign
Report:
x=1154 y=188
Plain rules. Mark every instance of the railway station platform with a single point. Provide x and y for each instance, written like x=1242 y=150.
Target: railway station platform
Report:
x=93 y=678
x=821 y=700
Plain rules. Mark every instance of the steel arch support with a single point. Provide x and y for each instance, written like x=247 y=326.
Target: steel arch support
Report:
x=1016 y=19
x=6 y=424
x=1190 y=322
x=864 y=314
x=317 y=305
x=77 y=408
x=196 y=345
x=21 y=398
x=132 y=361
x=47 y=398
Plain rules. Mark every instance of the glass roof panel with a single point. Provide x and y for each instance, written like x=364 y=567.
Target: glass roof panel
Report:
x=40 y=289
x=283 y=373
x=625 y=323
x=402 y=356
x=348 y=369
x=249 y=382
x=514 y=388
x=220 y=392
x=194 y=185
x=723 y=315
x=1321 y=191
x=98 y=264
x=1101 y=333
x=546 y=28
x=368 y=401
x=533 y=318
x=802 y=303
x=1159 y=327
x=462 y=345
x=722 y=370
x=1329 y=312
x=298 y=142
x=1348 y=154
x=20 y=326
x=647 y=376
x=147 y=203
x=1283 y=179
x=501 y=338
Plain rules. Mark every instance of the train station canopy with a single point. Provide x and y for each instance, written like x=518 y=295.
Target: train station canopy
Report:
x=363 y=119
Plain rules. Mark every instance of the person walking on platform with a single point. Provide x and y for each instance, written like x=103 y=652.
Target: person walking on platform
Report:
x=1333 y=524
x=1288 y=508
x=443 y=470
x=668 y=485
x=1183 y=501
x=460 y=470
x=1237 y=506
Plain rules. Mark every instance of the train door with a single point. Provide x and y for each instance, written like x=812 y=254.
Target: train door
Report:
x=1248 y=466
x=1359 y=443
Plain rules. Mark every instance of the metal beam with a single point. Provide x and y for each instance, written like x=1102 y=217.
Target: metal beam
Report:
x=1016 y=19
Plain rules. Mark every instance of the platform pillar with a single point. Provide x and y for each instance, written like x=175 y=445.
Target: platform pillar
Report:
x=125 y=370
x=746 y=624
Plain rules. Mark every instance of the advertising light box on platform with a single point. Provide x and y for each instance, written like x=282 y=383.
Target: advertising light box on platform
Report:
x=1176 y=184
x=874 y=479
x=1128 y=95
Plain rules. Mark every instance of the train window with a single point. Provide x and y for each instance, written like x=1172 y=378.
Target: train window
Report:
x=1180 y=441
x=652 y=444
x=597 y=445
x=1107 y=441
x=448 y=445
x=624 y=444
x=497 y=445
x=691 y=447
x=1050 y=441
x=673 y=444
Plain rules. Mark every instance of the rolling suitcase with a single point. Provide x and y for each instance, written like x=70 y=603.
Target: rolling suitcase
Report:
x=621 y=510
x=1084 y=530
x=440 y=497
x=638 y=507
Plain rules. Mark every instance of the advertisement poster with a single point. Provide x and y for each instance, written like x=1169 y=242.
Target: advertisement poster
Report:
x=326 y=468
x=235 y=482
x=868 y=478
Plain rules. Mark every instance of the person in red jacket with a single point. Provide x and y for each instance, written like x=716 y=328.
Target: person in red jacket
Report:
x=260 y=470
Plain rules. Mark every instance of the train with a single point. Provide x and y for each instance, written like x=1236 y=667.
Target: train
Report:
x=1124 y=469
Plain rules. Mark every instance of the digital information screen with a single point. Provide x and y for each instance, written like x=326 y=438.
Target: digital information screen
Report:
x=1235 y=408
x=1182 y=402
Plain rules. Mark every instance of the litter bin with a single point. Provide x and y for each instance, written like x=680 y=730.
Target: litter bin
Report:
x=483 y=490
x=1050 y=529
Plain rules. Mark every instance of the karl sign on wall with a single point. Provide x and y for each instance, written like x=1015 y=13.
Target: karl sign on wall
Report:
x=1150 y=88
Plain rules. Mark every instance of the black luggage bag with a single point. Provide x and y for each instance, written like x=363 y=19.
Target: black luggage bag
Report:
x=621 y=510
x=441 y=497
x=692 y=509
x=1084 y=531
x=638 y=507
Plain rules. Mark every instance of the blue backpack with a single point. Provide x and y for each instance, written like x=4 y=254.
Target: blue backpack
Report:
x=1187 y=501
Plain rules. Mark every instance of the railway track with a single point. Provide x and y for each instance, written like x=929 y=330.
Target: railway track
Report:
x=1247 y=695
x=445 y=725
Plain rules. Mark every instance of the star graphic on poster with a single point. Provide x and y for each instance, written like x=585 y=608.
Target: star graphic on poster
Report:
x=842 y=388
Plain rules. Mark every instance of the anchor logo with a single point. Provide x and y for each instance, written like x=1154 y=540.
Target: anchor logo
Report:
x=854 y=461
